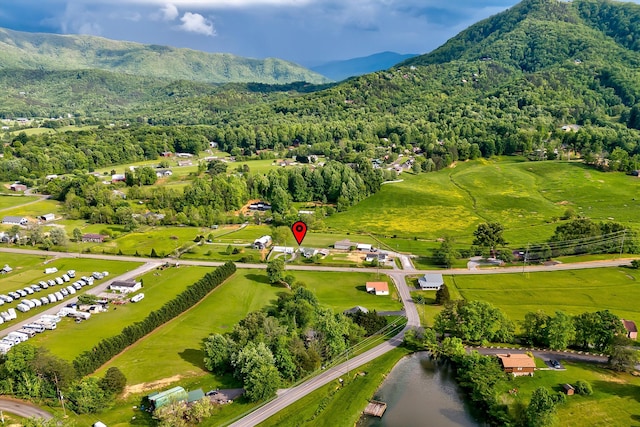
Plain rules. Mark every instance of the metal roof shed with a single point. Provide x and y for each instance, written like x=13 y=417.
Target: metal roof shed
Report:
x=175 y=394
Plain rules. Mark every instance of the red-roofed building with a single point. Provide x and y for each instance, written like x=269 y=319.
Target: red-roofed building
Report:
x=630 y=327
x=517 y=364
x=378 y=288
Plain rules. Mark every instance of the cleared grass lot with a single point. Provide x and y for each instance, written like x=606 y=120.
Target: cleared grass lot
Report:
x=34 y=209
x=159 y=286
x=575 y=292
x=7 y=202
x=165 y=240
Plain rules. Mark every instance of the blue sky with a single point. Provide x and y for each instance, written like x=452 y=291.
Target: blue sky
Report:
x=308 y=32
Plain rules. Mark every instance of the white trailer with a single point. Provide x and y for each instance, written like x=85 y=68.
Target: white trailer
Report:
x=28 y=303
x=71 y=289
x=48 y=325
x=51 y=282
x=28 y=290
x=50 y=270
x=23 y=307
x=28 y=332
x=12 y=313
x=1 y=302
x=59 y=280
x=6 y=298
x=36 y=327
x=59 y=295
x=44 y=300
x=37 y=302
x=137 y=298
x=5 y=316
x=65 y=277
x=52 y=298
x=80 y=315
x=19 y=335
x=50 y=318
x=71 y=273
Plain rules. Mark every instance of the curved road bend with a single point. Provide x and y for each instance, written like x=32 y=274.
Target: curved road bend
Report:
x=291 y=395
x=23 y=409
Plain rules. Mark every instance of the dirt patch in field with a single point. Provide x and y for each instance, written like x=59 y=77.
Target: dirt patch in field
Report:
x=141 y=388
x=563 y=203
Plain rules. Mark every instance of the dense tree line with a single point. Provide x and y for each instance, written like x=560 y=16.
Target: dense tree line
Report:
x=474 y=321
x=583 y=235
x=90 y=360
x=282 y=344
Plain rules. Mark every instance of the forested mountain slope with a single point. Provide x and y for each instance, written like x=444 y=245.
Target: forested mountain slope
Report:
x=39 y=51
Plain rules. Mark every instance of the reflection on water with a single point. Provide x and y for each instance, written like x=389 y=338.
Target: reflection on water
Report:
x=420 y=393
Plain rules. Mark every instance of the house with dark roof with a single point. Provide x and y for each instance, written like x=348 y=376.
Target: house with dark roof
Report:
x=15 y=220
x=345 y=244
x=431 y=281
x=125 y=286
x=92 y=237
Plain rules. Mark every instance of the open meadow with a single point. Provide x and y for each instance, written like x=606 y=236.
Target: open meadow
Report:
x=526 y=197
x=575 y=291
x=8 y=202
x=33 y=210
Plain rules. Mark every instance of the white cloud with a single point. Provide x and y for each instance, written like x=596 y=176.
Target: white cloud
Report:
x=169 y=12
x=217 y=4
x=196 y=23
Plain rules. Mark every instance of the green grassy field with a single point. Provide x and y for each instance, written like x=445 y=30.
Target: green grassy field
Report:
x=165 y=240
x=615 y=400
x=34 y=209
x=575 y=292
x=7 y=202
x=524 y=196
x=179 y=343
x=160 y=286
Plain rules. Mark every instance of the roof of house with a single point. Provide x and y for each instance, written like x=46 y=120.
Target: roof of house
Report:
x=629 y=325
x=92 y=236
x=517 y=360
x=432 y=278
x=124 y=283
x=567 y=387
x=378 y=286
x=357 y=308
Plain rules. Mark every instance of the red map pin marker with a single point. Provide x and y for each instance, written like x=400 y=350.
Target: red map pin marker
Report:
x=299 y=231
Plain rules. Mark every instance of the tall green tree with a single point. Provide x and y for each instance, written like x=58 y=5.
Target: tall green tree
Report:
x=275 y=270
x=489 y=235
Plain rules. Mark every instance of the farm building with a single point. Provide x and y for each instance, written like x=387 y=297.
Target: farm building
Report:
x=18 y=187
x=118 y=177
x=517 y=364
x=47 y=217
x=356 y=309
x=308 y=252
x=175 y=394
x=92 y=237
x=344 y=245
x=185 y=163
x=283 y=249
x=262 y=242
x=125 y=286
x=364 y=247
x=630 y=327
x=431 y=281
x=15 y=220
x=260 y=206
x=378 y=288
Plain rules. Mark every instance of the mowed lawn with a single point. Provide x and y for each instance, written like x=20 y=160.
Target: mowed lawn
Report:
x=11 y=201
x=34 y=209
x=575 y=292
x=165 y=240
x=526 y=197
x=176 y=348
x=159 y=286
x=615 y=400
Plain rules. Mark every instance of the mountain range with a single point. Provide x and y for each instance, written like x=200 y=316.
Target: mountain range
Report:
x=50 y=52
x=340 y=70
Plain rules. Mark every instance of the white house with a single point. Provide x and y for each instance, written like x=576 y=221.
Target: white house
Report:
x=431 y=281
x=15 y=220
x=125 y=286
x=161 y=173
x=378 y=288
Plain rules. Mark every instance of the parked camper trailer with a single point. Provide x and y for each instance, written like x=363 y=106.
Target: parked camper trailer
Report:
x=12 y=313
x=50 y=270
x=19 y=335
x=5 y=316
x=50 y=318
x=71 y=273
x=6 y=298
x=59 y=296
x=28 y=303
x=65 y=277
x=80 y=315
x=23 y=307
x=37 y=302
x=71 y=289
x=59 y=280
x=34 y=326
x=29 y=291
x=77 y=286
x=44 y=300
x=137 y=298
x=51 y=282
x=28 y=332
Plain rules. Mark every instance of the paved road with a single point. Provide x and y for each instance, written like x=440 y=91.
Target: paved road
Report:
x=23 y=409
x=546 y=354
x=94 y=290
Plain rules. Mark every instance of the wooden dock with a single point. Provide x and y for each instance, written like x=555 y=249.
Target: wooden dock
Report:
x=375 y=408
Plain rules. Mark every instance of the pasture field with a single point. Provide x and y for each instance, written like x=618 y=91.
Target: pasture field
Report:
x=159 y=286
x=615 y=400
x=342 y=291
x=34 y=209
x=43 y=130
x=179 y=342
x=7 y=202
x=574 y=292
x=165 y=240
x=526 y=197
x=216 y=252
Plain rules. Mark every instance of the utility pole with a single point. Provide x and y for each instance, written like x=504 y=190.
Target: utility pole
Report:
x=624 y=233
x=524 y=260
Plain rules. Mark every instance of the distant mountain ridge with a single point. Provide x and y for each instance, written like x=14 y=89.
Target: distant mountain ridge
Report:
x=340 y=70
x=50 y=52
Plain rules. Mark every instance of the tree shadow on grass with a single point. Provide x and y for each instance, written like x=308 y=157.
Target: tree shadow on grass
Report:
x=193 y=356
x=617 y=389
x=362 y=288
x=258 y=278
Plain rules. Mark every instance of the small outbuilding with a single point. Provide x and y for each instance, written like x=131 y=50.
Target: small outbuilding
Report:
x=125 y=286
x=568 y=389
x=630 y=327
x=344 y=245
x=18 y=187
x=175 y=394
x=262 y=242
x=378 y=288
x=431 y=281
x=47 y=217
x=356 y=309
x=364 y=247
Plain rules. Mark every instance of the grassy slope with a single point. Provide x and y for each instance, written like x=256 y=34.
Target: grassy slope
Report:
x=12 y=201
x=574 y=291
x=523 y=196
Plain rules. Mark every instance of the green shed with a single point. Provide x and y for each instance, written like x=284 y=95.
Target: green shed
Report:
x=175 y=394
x=195 y=395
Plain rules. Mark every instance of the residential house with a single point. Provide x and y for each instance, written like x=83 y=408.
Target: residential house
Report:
x=18 y=187
x=125 y=286
x=378 y=288
x=47 y=217
x=431 y=281
x=374 y=256
x=517 y=364
x=308 y=252
x=185 y=163
x=356 y=309
x=162 y=173
x=92 y=237
x=262 y=242
x=118 y=177
x=15 y=220
x=630 y=327
x=345 y=245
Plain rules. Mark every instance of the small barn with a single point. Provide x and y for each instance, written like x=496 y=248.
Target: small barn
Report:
x=15 y=220
x=364 y=247
x=47 y=217
x=568 y=389
x=262 y=242
x=378 y=288
x=175 y=394
x=344 y=245
x=630 y=327
x=92 y=237
x=431 y=281
x=18 y=187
